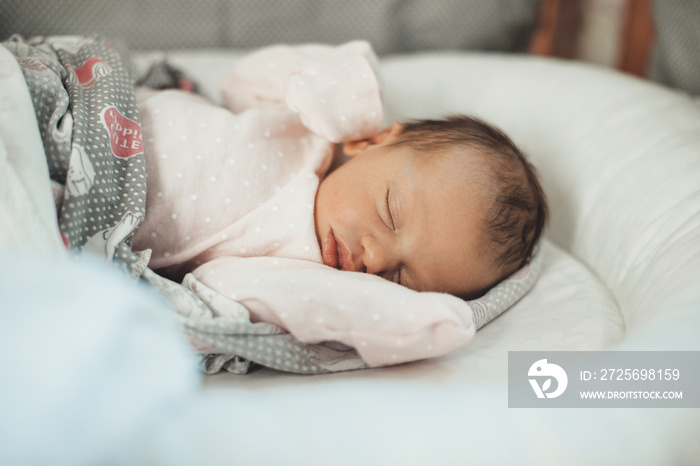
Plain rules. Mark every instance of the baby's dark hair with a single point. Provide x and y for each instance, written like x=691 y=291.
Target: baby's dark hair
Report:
x=517 y=211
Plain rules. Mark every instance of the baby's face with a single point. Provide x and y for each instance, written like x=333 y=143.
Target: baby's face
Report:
x=411 y=218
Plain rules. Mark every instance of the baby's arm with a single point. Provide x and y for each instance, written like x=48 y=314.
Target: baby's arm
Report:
x=335 y=90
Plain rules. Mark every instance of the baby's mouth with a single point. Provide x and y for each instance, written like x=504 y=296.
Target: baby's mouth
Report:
x=335 y=254
x=330 y=250
x=344 y=261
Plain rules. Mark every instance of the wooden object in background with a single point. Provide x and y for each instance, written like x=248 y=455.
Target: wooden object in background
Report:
x=638 y=34
x=558 y=29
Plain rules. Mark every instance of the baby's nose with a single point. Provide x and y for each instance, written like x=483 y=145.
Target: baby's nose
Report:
x=377 y=257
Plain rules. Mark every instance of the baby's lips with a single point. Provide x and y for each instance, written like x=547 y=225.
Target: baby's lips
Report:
x=344 y=257
x=330 y=250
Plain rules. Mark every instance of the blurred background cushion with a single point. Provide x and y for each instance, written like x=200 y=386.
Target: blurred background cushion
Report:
x=676 y=57
x=392 y=26
x=655 y=39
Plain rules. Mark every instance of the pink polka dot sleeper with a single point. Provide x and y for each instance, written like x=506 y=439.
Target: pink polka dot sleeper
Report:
x=231 y=192
x=241 y=180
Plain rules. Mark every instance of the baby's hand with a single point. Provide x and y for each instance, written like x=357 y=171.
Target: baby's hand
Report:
x=337 y=99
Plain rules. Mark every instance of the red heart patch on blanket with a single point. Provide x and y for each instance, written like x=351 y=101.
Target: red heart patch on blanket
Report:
x=87 y=74
x=124 y=133
x=32 y=63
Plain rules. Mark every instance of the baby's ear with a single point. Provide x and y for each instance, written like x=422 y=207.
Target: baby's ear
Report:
x=352 y=148
x=389 y=134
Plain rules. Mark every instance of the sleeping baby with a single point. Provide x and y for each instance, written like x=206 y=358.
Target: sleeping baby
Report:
x=438 y=205
x=251 y=204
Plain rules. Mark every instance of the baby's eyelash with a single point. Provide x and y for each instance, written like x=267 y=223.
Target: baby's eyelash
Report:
x=386 y=201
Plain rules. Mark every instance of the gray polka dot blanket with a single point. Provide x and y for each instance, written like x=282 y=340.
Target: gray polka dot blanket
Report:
x=82 y=90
